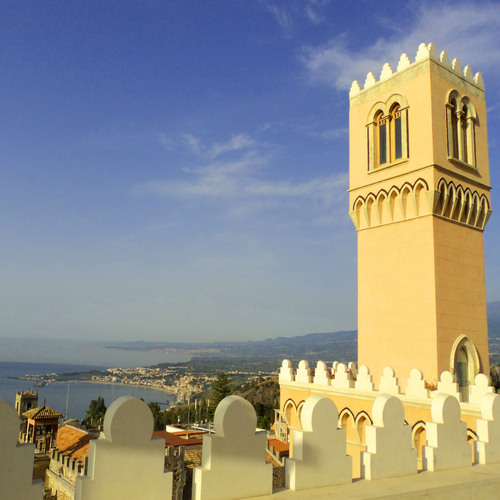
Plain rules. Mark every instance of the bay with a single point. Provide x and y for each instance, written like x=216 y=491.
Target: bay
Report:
x=80 y=393
x=19 y=357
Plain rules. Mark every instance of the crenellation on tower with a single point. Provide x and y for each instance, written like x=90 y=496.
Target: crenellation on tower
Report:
x=404 y=62
x=424 y=53
x=386 y=72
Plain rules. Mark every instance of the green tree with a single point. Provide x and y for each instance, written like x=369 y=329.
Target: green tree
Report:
x=158 y=416
x=220 y=389
x=95 y=413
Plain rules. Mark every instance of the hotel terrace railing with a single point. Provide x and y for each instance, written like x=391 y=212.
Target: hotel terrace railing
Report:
x=126 y=463
x=348 y=380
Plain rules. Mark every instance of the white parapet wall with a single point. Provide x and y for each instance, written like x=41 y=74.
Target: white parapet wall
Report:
x=389 y=450
x=319 y=449
x=234 y=458
x=447 y=446
x=125 y=463
x=16 y=460
x=344 y=382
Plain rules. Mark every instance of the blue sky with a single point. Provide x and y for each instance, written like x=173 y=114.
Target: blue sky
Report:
x=178 y=170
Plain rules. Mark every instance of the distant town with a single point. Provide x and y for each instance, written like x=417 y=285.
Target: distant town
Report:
x=181 y=381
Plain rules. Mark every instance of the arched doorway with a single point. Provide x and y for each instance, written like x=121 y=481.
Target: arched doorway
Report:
x=419 y=440
x=465 y=364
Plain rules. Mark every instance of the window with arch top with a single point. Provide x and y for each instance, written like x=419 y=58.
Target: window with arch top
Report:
x=388 y=132
x=461 y=122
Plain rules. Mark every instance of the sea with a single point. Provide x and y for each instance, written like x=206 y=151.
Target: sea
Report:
x=74 y=398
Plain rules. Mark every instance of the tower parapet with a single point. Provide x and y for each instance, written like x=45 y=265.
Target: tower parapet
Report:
x=425 y=52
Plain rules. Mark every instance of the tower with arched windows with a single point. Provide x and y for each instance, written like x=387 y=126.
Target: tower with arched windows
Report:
x=419 y=198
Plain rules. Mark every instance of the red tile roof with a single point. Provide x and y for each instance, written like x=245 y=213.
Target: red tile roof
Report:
x=173 y=440
x=186 y=433
x=30 y=395
x=42 y=413
x=74 y=442
x=278 y=445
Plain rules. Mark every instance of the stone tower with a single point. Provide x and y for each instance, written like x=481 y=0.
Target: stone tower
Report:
x=419 y=198
x=25 y=401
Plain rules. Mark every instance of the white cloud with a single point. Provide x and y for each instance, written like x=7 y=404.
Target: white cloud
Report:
x=293 y=13
x=282 y=16
x=235 y=143
x=160 y=226
x=193 y=143
x=466 y=30
x=321 y=188
x=244 y=181
x=165 y=141
x=217 y=179
x=312 y=10
x=332 y=133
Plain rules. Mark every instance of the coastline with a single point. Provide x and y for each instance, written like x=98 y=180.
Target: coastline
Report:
x=160 y=389
x=152 y=387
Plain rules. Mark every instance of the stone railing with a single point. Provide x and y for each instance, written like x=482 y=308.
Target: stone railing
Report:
x=126 y=463
x=348 y=379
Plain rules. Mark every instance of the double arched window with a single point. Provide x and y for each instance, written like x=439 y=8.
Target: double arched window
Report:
x=461 y=120
x=388 y=132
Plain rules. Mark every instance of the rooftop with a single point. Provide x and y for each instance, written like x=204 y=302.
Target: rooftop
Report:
x=29 y=395
x=74 y=443
x=173 y=440
x=42 y=413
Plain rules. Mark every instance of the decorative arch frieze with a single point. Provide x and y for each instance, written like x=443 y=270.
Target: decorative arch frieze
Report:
x=362 y=420
x=461 y=204
x=345 y=414
x=449 y=201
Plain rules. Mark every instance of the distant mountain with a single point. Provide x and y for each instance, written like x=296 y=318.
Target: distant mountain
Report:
x=494 y=319
x=339 y=346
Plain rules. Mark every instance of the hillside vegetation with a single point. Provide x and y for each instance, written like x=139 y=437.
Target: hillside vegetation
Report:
x=262 y=393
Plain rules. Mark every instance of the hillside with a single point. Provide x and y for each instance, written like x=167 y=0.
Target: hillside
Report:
x=494 y=331
x=263 y=354
x=494 y=318
x=265 y=391
x=340 y=346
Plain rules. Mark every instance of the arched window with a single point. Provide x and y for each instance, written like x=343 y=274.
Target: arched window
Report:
x=453 y=146
x=465 y=363
x=381 y=127
x=461 y=122
x=396 y=133
x=388 y=132
x=463 y=133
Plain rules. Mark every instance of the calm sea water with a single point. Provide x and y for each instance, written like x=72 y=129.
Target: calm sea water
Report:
x=79 y=352
x=80 y=394
x=19 y=357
